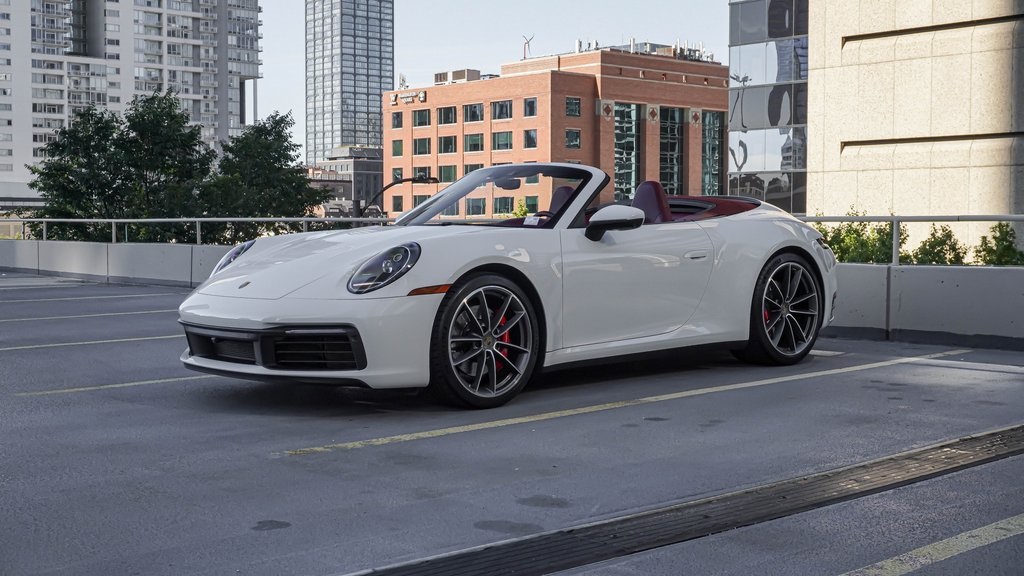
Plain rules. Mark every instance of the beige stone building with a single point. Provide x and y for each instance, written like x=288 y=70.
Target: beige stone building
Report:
x=916 y=107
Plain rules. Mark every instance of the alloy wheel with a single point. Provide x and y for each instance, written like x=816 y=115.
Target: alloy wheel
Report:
x=790 y=308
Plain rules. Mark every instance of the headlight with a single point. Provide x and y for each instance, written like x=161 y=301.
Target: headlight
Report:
x=384 y=268
x=232 y=255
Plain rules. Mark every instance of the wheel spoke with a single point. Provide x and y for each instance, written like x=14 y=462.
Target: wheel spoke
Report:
x=466 y=357
x=773 y=303
x=478 y=378
x=472 y=338
x=492 y=370
x=774 y=323
x=777 y=337
x=515 y=347
x=495 y=321
x=472 y=314
x=485 y=312
x=509 y=324
x=802 y=299
x=794 y=284
x=796 y=324
x=508 y=362
x=805 y=312
x=792 y=333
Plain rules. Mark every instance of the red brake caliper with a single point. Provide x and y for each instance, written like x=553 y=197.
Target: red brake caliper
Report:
x=503 y=338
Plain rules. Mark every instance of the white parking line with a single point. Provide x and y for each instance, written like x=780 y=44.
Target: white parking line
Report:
x=93 y=297
x=944 y=549
x=88 y=342
x=110 y=386
x=87 y=316
x=609 y=406
x=826 y=353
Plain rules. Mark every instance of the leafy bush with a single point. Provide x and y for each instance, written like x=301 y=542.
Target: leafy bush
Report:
x=940 y=247
x=862 y=241
x=1001 y=249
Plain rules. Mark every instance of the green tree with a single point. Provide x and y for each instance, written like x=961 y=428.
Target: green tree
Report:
x=862 y=241
x=940 y=247
x=259 y=176
x=147 y=164
x=1001 y=249
x=521 y=211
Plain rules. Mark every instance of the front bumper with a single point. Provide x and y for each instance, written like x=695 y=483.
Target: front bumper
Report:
x=374 y=342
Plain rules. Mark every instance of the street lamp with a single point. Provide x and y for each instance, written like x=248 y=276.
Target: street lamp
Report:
x=417 y=179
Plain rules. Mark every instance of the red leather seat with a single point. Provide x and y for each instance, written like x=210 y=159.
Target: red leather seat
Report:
x=650 y=197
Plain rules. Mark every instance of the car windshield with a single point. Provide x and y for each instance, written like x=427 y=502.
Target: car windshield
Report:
x=514 y=195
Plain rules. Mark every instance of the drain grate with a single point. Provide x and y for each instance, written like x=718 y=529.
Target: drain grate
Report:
x=573 y=547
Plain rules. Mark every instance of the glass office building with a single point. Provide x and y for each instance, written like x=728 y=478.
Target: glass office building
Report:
x=349 y=64
x=768 y=101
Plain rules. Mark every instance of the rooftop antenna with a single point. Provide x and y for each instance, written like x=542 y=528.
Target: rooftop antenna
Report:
x=526 y=45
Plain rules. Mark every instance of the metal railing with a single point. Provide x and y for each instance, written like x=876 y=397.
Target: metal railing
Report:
x=894 y=221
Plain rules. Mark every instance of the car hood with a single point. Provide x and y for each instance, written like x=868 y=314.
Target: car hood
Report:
x=276 y=266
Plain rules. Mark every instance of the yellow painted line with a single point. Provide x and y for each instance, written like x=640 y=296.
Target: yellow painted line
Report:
x=110 y=386
x=604 y=407
x=93 y=297
x=944 y=549
x=87 y=316
x=62 y=344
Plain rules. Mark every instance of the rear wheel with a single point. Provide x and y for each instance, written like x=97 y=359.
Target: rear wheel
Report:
x=485 y=342
x=785 y=312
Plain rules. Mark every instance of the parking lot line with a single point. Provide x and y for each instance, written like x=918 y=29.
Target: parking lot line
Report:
x=110 y=386
x=944 y=549
x=87 y=316
x=92 y=297
x=88 y=342
x=608 y=406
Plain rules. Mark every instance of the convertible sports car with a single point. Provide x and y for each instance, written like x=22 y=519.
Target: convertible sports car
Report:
x=475 y=309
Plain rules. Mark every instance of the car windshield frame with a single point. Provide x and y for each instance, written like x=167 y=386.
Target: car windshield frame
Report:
x=428 y=212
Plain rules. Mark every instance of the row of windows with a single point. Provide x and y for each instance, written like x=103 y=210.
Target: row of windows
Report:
x=447 y=173
x=473 y=206
x=475 y=142
x=500 y=110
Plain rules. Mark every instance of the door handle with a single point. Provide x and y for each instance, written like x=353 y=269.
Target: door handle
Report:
x=696 y=255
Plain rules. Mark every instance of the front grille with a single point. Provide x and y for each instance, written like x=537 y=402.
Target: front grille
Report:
x=286 y=348
x=315 y=352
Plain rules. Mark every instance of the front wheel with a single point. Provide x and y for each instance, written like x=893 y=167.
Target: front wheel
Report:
x=485 y=343
x=785 y=312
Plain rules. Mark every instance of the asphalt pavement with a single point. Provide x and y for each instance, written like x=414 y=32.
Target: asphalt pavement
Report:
x=114 y=459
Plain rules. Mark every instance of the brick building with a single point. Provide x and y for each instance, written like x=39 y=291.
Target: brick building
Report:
x=642 y=112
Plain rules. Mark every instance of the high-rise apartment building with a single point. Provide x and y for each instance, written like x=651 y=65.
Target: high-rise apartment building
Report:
x=58 y=56
x=349 y=64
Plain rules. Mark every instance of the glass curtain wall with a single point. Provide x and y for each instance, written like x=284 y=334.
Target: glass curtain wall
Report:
x=768 y=101
x=712 y=127
x=671 y=150
x=627 y=153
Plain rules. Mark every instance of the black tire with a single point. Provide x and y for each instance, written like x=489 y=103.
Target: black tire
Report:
x=785 y=312
x=483 y=360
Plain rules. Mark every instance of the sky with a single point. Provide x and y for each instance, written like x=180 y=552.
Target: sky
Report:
x=438 y=35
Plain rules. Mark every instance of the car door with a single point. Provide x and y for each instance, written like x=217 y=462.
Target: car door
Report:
x=632 y=283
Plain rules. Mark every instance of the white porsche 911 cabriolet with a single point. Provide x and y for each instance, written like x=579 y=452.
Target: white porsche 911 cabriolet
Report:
x=474 y=310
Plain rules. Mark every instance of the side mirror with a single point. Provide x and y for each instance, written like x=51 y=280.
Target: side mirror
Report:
x=615 y=217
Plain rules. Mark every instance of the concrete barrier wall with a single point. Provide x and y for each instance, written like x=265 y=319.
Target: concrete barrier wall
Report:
x=163 y=264
x=965 y=305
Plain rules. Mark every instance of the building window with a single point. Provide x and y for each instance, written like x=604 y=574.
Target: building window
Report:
x=501 y=110
x=471 y=167
x=476 y=206
x=418 y=199
x=671 y=150
x=474 y=143
x=421 y=172
x=627 y=155
x=572 y=138
x=533 y=179
x=503 y=205
x=473 y=113
x=396 y=147
x=573 y=106
x=396 y=119
x=531 y=204
x=530 y=107
x=529 y=138
x=446 y=115
x=396 y=203
x=501 y=141
x=396 y=174
x=712 y=126
x=421 y=146
x=421 y=117
x=447 y=145
x=446 y=173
